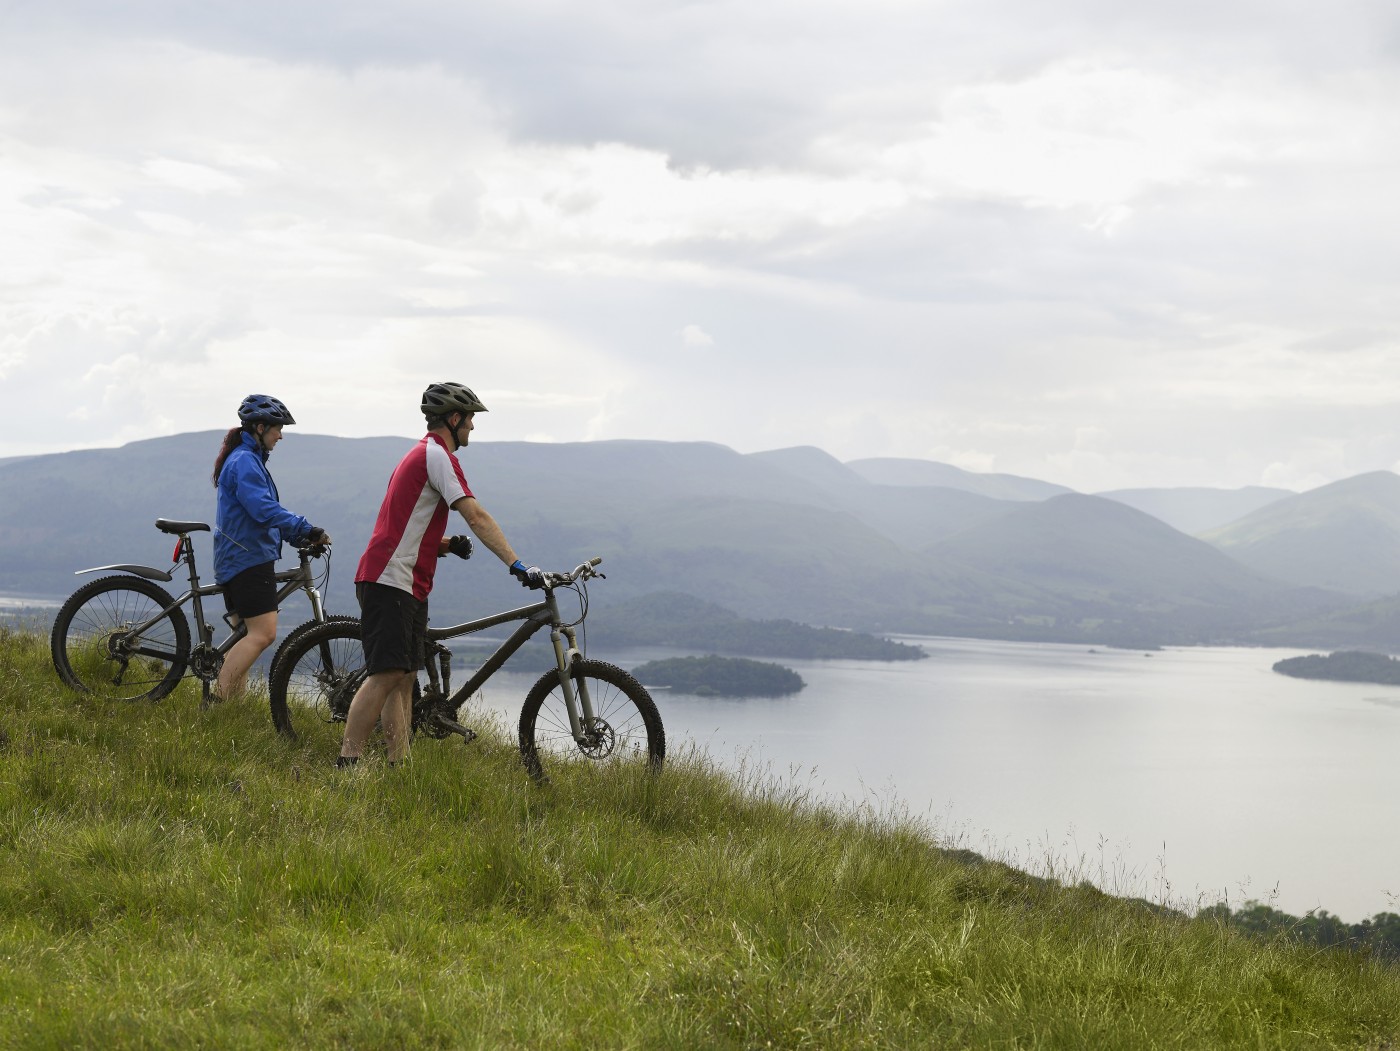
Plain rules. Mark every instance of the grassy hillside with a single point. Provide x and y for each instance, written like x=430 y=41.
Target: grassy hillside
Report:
x=177 y=878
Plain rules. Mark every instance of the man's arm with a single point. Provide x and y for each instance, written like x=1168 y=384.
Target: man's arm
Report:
x=480 y=522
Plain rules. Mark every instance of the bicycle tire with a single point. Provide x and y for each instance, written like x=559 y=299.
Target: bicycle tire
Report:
x=631 y=729
x=293 y=638
x=317 y=677
x=89 y=642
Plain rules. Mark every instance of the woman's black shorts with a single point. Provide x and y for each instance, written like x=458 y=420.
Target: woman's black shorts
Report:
x=252 y=592
x=392 y=626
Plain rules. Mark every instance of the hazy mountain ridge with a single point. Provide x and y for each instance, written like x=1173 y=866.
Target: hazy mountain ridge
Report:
x=1099 y=546
x=1196 y=510
x=789 y=534
x=1344 y=536
x=896 y=471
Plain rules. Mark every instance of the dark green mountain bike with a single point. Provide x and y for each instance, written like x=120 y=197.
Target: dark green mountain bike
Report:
x=124 y=637
x=580 y=707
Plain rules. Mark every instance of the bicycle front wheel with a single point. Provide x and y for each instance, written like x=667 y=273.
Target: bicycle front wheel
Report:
x=292 y=642
x=120 y=638
x=626 y=728
x=316 y=676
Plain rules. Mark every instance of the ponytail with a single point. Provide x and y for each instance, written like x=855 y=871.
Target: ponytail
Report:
x=232 y=440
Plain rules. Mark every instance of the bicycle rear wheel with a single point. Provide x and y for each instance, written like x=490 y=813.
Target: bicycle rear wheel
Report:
x=315 y=677
x=626 y=728
x=95 y=651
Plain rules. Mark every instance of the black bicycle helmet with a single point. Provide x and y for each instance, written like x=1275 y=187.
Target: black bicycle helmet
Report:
x=264 y=408
x=442 y=398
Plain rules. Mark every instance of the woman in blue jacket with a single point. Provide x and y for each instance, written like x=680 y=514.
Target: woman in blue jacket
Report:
x=250 y=525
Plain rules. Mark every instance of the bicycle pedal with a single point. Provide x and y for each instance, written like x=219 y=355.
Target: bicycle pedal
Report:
x=452 y=726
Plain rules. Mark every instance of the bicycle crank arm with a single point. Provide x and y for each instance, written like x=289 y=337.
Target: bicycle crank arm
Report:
x=442 y=726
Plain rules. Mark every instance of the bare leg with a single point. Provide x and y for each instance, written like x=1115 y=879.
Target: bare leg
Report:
x=370 y=700
x=397 y=720
x=233 y=676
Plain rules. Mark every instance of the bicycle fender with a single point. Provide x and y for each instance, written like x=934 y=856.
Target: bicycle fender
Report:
x=140 y=571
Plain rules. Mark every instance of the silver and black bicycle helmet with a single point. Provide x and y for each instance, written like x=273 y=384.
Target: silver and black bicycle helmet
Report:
x=442 y=398
x=264 y=408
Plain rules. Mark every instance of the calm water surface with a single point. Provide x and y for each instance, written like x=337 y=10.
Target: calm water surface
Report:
x=1189 y=776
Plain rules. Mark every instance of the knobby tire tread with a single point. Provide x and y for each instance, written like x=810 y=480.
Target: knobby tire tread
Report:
x=307 y=649
x=610 y=705
x=294 y=637
x=94 y=608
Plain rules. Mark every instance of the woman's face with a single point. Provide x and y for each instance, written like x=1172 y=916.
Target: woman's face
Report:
x=271 y=436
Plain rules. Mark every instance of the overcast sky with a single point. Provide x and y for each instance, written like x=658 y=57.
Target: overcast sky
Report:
x=1107 y=243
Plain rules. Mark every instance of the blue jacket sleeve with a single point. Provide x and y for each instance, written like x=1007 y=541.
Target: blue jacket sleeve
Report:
x=253 y=491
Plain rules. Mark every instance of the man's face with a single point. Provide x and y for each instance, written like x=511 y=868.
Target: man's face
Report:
x=465 y=428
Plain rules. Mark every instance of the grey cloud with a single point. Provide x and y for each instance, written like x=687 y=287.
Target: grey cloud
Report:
x=730 y=84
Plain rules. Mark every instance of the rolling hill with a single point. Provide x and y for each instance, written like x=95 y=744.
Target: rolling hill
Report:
x=1106 y=564
x=1344 y=536
x=1194 y=511
x=788 y=534
x=904 y=472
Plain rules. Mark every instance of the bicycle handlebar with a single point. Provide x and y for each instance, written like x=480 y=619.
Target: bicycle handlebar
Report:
x=583 y=571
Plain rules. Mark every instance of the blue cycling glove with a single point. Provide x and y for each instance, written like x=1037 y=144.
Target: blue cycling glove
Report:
x=531 y=577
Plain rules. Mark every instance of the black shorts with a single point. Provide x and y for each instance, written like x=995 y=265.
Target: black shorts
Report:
x=252 y=592
x=392 y=624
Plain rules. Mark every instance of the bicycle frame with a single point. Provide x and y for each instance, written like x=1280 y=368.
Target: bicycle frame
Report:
x=535 y=617
x=292 y=580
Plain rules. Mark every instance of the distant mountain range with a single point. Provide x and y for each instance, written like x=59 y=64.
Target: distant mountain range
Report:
x=1196 y=511
x=884 y=545
x=1341 y=536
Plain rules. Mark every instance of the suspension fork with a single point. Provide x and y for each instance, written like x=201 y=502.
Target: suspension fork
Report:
x=313 y=593
x=439 y=674
x=576 y=701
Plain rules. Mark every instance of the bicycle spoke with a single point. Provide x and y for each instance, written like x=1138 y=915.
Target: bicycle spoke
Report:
x=94 y=648
x=626 y=726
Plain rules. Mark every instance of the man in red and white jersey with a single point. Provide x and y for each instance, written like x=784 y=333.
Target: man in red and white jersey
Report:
x=395 y=574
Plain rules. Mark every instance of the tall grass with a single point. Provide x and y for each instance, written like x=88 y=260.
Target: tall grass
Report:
x=171 y=877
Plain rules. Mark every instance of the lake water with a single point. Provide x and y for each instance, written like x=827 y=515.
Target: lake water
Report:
x=1188 y=776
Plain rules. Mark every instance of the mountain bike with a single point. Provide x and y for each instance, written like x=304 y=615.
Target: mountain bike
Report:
x=580 y=707
x=123 y=637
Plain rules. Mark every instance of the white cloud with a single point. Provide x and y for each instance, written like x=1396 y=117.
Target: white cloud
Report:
x=695 y=336
x=986 y=230
x=195 y=178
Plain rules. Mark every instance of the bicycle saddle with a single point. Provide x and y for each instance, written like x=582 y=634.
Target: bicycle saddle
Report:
x=167 y=525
